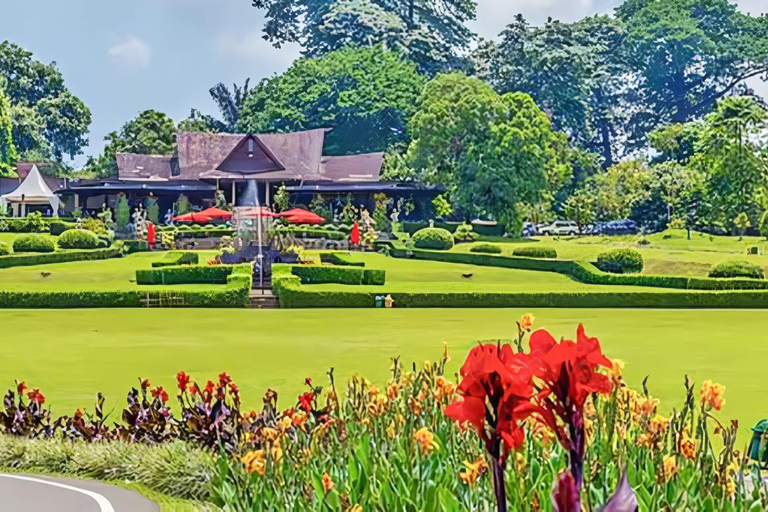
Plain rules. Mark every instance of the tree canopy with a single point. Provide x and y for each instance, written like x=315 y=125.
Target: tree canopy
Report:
x=431 y=32
x=491 y=151
x=48 y=119
x=366 y=95
x=8 y=154
x=151 y=133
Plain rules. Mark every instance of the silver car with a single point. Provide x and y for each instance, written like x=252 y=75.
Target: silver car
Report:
x=559 y=228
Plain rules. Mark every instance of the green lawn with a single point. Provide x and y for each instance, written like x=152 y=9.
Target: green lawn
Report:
x=101 y=275
x=669 y=253
x=73 y=354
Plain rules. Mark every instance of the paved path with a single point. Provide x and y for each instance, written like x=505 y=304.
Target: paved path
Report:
x=27 y=493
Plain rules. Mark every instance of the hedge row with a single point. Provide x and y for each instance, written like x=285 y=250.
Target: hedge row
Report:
x=585 y=272
x=341 y=259
x=188 y=274
x=175 y=258
x=311 y=274
x=22 y=260
x=234 y=294
x=412 y=227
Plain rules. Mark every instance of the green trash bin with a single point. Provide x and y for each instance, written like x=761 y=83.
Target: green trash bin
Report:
x=757 y=446
x=379 y=301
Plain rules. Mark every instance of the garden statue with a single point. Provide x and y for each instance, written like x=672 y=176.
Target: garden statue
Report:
x=152 y=211
x=106 y=217
x=168 y=219
x=366 y=221
x=79 y=223
x=122 y=212
x=395 y=216
x=221 y=201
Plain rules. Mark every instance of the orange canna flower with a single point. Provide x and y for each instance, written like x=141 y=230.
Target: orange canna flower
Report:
x=687 y=447
x=526 y=322
x=670 y=467
x=712 y=395
x=426 y=440
x=327 y=483
x=474 y=471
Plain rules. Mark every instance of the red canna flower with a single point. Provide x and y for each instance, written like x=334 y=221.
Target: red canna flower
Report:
x=209 y=388
x=145 y=384
x=36 y=396
x=192 y=389
x=21 y=387
x=305 y=401
x=183 y=380
x=495 y=381
x=161 y=393
x=565 y=375
x=224 y=379
x=308 y=381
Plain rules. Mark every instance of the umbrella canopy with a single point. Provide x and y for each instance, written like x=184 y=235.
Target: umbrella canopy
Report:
x=216 y=214
x=354 y=237
x=193 y=217
x=304 y=217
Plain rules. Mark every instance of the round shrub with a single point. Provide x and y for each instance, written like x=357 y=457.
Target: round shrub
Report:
x=737 y=269
x=5 y=249
x=433 y=238
x=79 y=239
x=486 y=249
x=620 y=261
x=536 y=252
x=34 y=243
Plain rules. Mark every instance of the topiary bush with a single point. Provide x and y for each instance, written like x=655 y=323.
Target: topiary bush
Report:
x=737 y=269
x=536 y=252
x=5 y=249
x=620 y=261
x=34 y=243
x=486 y=249
x=433 y=238
x=79 y=239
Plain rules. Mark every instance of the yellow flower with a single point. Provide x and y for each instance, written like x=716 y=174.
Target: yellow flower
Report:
x=327 y=483
x=712 y=395
x=356 y=508
x=415 y=405
x=658 y=425
x=393 y=390
x=474 y=471
x=426 y=440
x=373 y=391
x=269 y=434
x=378 y=405
x=520 y=462
x=617 y=367
x=526 y=322
x=446 y=355
x=444 y=388
x=255 y=462
x=391 y=432
x=284 y=424
x=670 y=466
x=687 y=447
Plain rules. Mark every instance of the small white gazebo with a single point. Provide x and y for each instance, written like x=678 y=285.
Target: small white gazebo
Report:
x=33 y=190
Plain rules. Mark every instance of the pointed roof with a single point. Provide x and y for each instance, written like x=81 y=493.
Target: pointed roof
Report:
x=250 y=156
x=32 y=188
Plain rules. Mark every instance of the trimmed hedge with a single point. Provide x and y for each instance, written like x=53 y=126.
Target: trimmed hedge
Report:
x=433 y=238
x=24 y=260
x=536 y=252
x=174 y=258
x=486 y=249
x=57 y=227
x=730 y=269
x=34 y=243
x=188 y=274
x=341 y=259
x=620 y=261
x=312 y=274
x=5 y=249
x=22 y=225
x=78 y=239
x=201 y=232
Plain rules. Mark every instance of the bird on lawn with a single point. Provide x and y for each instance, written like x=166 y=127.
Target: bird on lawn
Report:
x=45 y=274
x=467 y=276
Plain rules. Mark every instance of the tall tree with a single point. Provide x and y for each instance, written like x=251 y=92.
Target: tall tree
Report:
x=8 y=154
x=230 y=103
x=366 y=95
x=491 y=151
x=151 y=133
x=47 y=118
x=431 y=32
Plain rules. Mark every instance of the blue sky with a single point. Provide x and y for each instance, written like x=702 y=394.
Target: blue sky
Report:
x=122 y=57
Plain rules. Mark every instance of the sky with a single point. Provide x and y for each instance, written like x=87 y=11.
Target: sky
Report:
x=123 y=57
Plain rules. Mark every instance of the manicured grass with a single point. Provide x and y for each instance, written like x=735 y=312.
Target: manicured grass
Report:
x=669 y=253
x=73 y=354
x=102 y=275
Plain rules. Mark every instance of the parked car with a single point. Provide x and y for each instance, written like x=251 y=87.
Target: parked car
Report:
x=529 y=230
x=615 y=227
x=559 y=228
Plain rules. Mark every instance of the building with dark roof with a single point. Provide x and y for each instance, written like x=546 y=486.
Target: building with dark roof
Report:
x=245 y=167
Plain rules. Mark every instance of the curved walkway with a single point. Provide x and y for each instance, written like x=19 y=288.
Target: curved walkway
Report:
x=44 y=494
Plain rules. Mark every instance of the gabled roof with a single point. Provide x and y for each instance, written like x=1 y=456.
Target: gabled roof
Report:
x=250 y=156
x=132 y=166
x=32 y=188
x=365 y=167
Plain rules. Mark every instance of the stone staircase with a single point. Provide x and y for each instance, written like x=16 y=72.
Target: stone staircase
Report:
x=263 y=299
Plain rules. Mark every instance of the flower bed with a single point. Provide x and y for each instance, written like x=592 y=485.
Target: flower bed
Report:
x=523 y=428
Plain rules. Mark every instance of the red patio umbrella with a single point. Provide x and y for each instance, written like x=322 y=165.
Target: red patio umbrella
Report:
x=216 y=214
x=303 y=218
x=192 y=217
x=354 y=237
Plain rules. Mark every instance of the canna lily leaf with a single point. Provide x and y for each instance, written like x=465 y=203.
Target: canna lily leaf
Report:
x=623 y=499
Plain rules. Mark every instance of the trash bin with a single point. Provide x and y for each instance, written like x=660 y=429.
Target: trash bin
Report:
x=379 y=301
x=757 y=446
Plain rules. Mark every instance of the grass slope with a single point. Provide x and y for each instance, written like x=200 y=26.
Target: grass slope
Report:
x=73 y=354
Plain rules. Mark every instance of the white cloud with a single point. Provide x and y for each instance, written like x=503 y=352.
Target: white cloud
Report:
x=130 y=51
